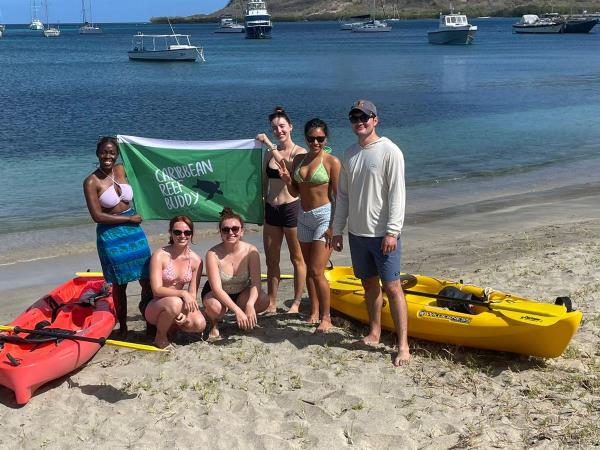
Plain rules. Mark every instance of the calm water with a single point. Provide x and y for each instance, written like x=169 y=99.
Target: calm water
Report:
x=508 y=113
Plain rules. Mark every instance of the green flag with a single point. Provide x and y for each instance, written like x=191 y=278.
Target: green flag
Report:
x=195 y=178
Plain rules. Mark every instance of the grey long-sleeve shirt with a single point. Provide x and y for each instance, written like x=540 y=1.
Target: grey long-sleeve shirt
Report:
x=371 y=195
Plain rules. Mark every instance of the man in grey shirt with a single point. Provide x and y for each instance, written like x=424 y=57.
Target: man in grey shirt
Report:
x=372 y=181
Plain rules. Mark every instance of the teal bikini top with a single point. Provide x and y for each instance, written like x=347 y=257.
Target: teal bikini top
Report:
x=319 y=176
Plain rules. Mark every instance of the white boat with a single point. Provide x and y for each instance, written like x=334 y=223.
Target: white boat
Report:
x=2 y=29
x=452 y=29
x=88 y=27
x=50 y=31
x=532 y=24
x=36 y=24
x=164 y=47
x=229 y=25
x=372 y=26
x=257 y=20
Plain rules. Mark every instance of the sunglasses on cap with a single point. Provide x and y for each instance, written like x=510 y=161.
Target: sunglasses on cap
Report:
x=319 y=139
x=186 y=233
x=364 y=118
x=234 y=230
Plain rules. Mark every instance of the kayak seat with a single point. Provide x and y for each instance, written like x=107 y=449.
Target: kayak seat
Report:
x=460 y=300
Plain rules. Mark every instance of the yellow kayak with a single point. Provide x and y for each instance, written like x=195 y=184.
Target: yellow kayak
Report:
x=471 y=316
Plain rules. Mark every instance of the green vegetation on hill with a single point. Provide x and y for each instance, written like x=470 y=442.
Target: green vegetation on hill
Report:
x=284 y=10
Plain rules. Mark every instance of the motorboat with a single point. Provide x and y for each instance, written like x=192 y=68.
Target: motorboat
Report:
x=354 y=21
x=164 y=47
x=372 y=26
x=2 y=30
x=36 y=25
x=533 y=24
x=452 y=29
x=257 y=20
x=229 y=25
x=88 y=27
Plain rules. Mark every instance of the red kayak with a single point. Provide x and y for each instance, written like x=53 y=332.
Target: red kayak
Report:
x=82 y=307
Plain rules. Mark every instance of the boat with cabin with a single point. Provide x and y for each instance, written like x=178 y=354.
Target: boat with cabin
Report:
x=452 y=29
x=2 y=30
x=257 y=20
x=533 y=24
x=164 y=47
x=50 y=31
x=36 y=24
x=88 y=27
x=228 y=24
x=372 y=26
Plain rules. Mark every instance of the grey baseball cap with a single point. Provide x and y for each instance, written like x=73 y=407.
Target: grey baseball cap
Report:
x=365 y=106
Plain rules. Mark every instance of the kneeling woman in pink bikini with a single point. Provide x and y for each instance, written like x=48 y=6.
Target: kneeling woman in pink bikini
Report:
x=233 y=269
x=175 y=272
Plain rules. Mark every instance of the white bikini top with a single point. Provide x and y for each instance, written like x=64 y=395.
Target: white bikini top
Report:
x=110 y=197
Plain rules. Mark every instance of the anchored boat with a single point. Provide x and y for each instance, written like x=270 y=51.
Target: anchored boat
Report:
x=257 y=20
x=452 y=29
x=533 y=24
x=455 y=313
x=81 y=308
x=164 y=47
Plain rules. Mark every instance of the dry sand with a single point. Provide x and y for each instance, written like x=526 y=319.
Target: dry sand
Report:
x=281 y=386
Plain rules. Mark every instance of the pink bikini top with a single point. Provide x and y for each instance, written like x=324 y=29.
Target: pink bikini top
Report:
x=110 y=198
x=169 y=277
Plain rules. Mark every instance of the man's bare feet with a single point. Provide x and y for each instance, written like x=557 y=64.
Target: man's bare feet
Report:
x=402 y=358
x=371 y=340
x=295 y=308
x=324 y=326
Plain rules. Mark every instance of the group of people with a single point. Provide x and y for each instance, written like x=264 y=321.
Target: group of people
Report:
x=310 y=196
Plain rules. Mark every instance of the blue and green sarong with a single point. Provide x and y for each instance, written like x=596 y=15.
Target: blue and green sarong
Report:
x=123 y=250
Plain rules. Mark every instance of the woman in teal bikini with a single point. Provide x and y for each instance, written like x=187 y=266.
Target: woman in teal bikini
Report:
x=314 y=179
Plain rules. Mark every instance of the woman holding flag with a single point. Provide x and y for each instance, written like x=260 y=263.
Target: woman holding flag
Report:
x=281 y=209
x=122 y=245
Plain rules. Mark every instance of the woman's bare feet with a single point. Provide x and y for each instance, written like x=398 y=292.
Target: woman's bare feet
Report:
x=313 y=318
x=295 y=308
x=324 y=326
x=214 y=332
x=161 y=342
x=270 y=311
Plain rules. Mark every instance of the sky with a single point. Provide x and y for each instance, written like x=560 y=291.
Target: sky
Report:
x=69 y=11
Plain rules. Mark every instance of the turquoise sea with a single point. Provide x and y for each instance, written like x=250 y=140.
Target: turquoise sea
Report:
x=508 y=114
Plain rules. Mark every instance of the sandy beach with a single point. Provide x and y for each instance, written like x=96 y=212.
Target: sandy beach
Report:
x=281 y=386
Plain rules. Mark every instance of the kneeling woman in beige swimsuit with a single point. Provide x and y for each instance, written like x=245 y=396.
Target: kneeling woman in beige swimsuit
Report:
x=175 y=272
x=233 y=269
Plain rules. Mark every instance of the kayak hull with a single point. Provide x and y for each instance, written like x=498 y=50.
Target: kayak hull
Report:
x=24 y=367
x=485 y=328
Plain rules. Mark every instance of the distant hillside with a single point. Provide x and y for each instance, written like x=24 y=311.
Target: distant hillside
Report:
x=406 y=9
